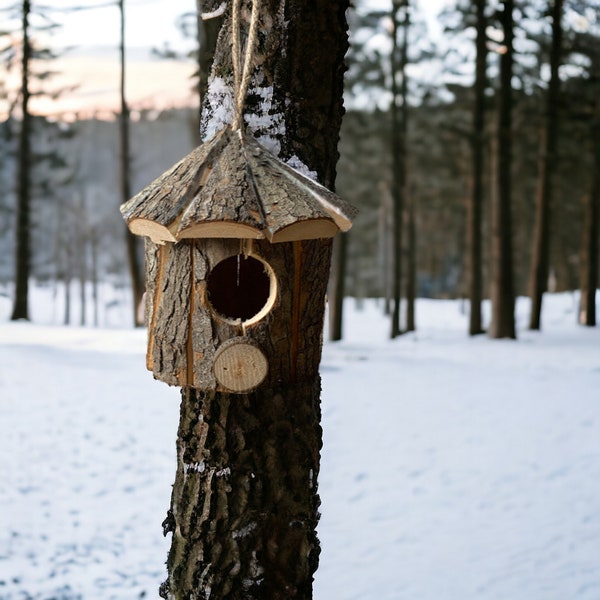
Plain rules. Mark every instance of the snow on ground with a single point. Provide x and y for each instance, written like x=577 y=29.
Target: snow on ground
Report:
x=452 y=468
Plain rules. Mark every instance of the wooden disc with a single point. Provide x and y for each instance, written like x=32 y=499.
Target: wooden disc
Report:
x=240 y=366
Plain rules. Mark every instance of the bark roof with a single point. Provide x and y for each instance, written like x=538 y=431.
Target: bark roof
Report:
x=232 y=187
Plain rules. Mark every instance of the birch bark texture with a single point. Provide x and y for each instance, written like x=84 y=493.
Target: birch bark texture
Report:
x=244 y=505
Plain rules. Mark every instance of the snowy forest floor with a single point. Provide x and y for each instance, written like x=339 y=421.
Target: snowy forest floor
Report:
x=453 y=468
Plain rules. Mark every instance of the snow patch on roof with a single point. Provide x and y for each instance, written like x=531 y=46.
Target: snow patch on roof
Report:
x=299 y=166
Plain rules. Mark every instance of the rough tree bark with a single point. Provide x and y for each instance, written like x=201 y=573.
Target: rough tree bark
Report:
x=538 y=276
x=503 y=300
x=478 y=143
x=22 y=233
x=245 y=506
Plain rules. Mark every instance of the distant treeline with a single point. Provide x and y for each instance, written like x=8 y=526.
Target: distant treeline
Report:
x=76 y=196
x=439 y=184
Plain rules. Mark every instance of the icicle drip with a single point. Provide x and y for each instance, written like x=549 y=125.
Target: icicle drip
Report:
x=241 y=80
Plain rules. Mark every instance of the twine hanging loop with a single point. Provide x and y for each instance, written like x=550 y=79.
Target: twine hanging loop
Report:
x=242 y=73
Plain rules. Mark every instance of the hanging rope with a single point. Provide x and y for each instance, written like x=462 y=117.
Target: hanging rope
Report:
x=241 y=81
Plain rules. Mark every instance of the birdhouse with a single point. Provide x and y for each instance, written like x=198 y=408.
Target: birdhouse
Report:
x=227 y=275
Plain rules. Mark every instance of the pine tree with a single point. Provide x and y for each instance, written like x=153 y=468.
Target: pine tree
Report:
x=548 y=163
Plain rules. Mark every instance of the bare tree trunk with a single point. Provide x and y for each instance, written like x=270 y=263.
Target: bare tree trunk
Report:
x=22 y=232
x=408 y=201
x=591 y=243
x=82 y=296
x=135 y=270
x=503 y=300
x=94 y=272
x=385 y=236
x=478 y=152
x=411 y=271
x=399 y=123
x=67 y=279
x=244 y=507
x=538 y=277
x=81 y=229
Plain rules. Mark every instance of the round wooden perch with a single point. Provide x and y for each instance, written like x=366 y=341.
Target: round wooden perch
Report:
x=239 y=365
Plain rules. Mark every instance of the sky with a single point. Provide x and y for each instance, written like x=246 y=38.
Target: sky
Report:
x=147 y=22
x=90 y=62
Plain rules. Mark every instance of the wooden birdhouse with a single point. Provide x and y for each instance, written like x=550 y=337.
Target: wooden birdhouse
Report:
x=228 y=279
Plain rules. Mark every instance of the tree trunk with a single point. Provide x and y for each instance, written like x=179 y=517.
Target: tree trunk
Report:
x=411 y=270
x=244 y=507
x=538 y=277
x=82 y=300
x=237 y=535
x=399 y=123
x=22 y=232
x=503 y=300
x=385 y=250
x=68 y=279
x=94 y=273
x=478 y=152
x=337 y=287
x=82 y=228
x=591 y=234
x=131 y=243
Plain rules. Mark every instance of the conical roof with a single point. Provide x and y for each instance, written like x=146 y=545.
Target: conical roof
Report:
x=232 y=187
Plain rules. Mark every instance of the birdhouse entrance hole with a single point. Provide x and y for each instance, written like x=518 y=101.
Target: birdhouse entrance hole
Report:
x=241 y=288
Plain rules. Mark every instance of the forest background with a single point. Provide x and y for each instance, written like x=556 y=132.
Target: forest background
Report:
x=416 y=106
